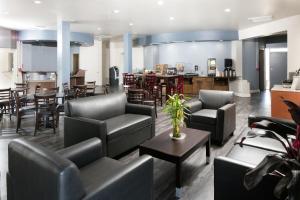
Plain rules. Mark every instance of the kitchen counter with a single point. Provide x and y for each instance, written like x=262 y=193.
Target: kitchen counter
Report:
x=278 y=108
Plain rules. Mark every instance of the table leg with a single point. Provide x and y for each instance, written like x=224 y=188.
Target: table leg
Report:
x=178 y=180
x=208 y=151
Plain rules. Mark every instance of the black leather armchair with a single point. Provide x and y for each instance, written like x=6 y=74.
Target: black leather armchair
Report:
x=77 y=172
x=121 y=126
x=214 y=112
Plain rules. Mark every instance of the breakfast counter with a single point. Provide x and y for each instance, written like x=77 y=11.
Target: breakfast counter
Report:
x=192 y=84
x=278 y=108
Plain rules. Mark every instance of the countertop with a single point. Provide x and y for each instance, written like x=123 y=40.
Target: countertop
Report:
x=280 y=88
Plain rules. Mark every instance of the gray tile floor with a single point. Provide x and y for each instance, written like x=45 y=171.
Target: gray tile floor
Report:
x=198 y=177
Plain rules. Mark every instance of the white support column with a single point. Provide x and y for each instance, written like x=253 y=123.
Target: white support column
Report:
x=63 y=53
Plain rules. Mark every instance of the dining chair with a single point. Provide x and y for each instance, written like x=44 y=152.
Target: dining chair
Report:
x=80 y=91
x=141 y=96
x=90 y=88
x=68 y=92
x=45 y=111
x=6 y=101
x=21 y=110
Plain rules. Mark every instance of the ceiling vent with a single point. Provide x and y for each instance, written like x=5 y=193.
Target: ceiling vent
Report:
x=261 y=19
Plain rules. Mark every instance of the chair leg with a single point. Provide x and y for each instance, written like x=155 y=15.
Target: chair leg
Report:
x=57 y=119
x=53 y=122
x=18 y=123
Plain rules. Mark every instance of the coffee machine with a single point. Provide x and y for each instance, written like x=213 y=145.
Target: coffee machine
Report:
x=229 y=71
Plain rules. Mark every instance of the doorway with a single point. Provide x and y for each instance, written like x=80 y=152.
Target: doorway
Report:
x=75 y=63
x=275 y=66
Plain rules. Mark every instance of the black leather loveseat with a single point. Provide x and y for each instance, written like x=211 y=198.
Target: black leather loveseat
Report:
x=121 y=126
x=214 y=112
x=77 y=172
x=229 y=171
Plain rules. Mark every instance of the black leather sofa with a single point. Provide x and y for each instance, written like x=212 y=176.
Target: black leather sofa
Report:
x=214 y=112
x=121 y=126
x=229 y=171
x=77 y=172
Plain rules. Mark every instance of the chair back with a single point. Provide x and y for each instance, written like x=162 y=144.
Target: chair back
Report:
x=45 y=102
x=5 y=100
x=35 y=173
x=135 y=96
x=179 y=84
x=129 y=80
x=150 y=82
x=80 y=90
x=91 y=87
x=99 y=107
x=23 y=87
x=215 y=99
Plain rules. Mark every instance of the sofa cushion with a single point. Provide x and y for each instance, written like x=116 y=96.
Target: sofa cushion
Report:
x=100 y=179
x=250 y=155
x=126 y=124
x=205 y=116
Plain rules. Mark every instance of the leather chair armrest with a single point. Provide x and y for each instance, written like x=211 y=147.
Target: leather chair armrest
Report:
x=193 y=106
x=134 y=181
x=289 y=124
x=229 y=177
x=78 y=129
x=84 y=152
x=226 y=121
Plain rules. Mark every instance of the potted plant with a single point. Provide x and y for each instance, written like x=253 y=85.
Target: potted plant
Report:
x=175 y=109
x=286 y=166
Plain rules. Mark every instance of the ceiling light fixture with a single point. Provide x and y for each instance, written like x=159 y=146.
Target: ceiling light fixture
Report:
x=99 y=29
x=116 y=11
x=261 y=19
x=130 y=24
x=160 y=3
x=37 y=2
x=227 y=10
x=171 y=18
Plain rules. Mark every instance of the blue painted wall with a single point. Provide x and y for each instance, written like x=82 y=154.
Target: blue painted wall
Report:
x=189 y=53
x=212 y=35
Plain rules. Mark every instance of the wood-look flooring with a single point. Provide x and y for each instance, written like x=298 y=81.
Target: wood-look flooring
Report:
x=197 y=176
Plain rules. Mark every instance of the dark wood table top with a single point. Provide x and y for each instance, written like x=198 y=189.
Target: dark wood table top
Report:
x=164 y=145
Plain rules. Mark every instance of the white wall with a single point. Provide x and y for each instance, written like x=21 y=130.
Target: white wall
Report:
x=237 y=56
x=90 y=59
x=291 y=25
x=137 y=59
x=6 y=73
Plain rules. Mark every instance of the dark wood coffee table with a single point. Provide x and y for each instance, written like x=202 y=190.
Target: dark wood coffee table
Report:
x=176 y=151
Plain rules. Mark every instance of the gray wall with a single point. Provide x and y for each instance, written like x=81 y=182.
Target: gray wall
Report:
x=189 y=53
x=8 y=38
x=41 y=58
x=250 y=63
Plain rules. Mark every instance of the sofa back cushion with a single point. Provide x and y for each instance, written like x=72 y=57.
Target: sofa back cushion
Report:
x=214 y=99
x=99 y=107
x=38 y=173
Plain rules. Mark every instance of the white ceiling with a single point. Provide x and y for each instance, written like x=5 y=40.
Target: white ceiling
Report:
x=147 y=16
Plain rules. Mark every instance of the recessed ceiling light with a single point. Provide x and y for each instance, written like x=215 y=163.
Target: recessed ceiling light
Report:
x=41 y=27
x=99 y=29
x=116 y=11
x=227 y=10
x=261 y=19
x=160 y=3
x=37 y=2
x=171 y=18
x=130 y=24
